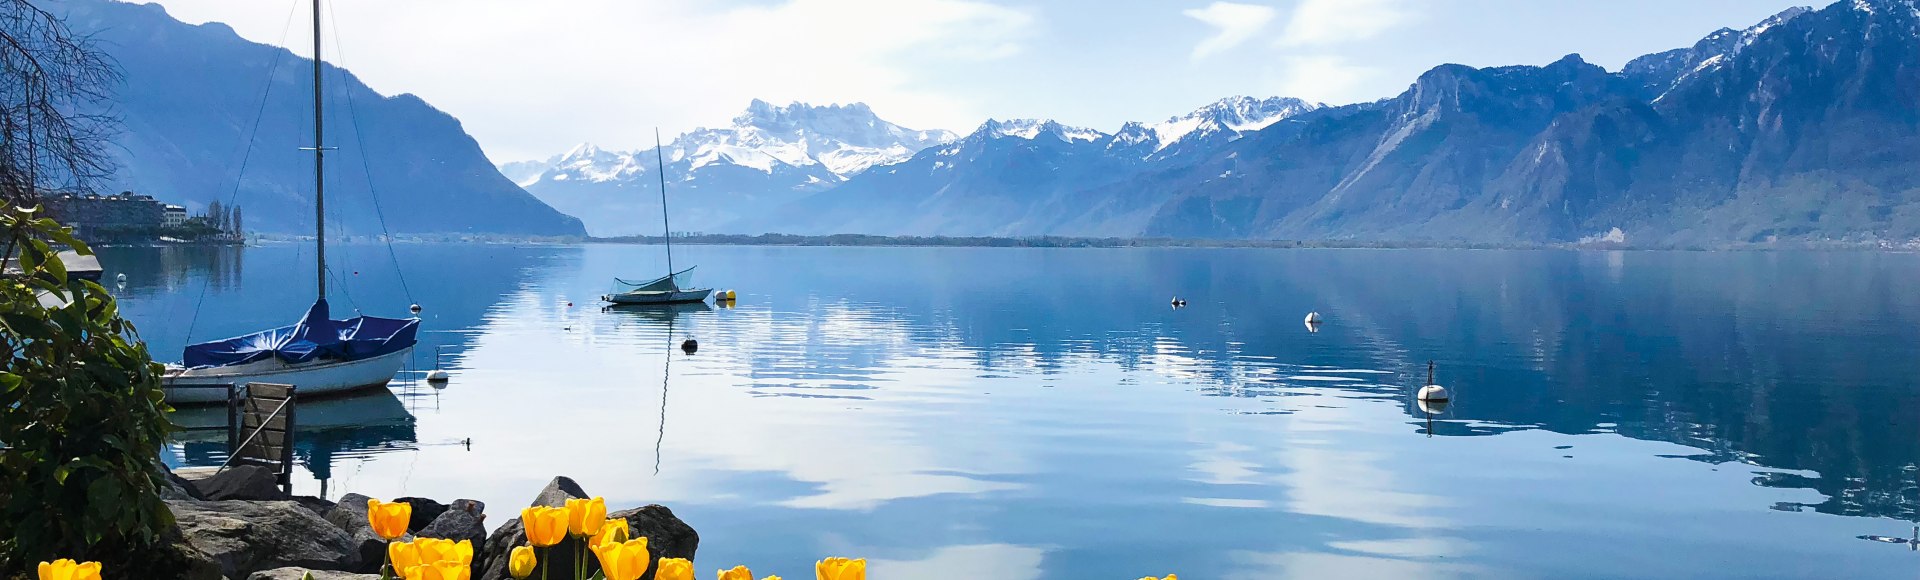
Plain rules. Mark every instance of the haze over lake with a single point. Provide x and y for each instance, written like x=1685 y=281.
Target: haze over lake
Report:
x=1029 y=413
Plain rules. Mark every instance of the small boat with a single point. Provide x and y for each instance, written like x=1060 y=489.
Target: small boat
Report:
x=666 y=289
x=317 y=355
x=660 y=291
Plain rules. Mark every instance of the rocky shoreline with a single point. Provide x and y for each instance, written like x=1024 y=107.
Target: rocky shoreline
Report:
x=238 y=525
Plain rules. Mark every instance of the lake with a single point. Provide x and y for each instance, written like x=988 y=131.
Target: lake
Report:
x=1045 y=413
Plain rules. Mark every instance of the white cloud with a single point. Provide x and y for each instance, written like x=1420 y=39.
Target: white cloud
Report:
x=1233 y=24
x=529 y=79
x=1329 y=22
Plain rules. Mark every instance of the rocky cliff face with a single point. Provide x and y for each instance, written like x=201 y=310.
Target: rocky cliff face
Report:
x=1799 y=128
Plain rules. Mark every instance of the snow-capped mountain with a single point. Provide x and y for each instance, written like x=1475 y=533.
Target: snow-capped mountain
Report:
x=1222 y=121
x=1660 y=72
x=767 y=156
x=1019 y=176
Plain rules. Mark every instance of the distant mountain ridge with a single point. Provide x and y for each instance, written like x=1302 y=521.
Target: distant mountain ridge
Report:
x=1021 y=177
x=769 y=155
x=189 y=101
x=1801 y=128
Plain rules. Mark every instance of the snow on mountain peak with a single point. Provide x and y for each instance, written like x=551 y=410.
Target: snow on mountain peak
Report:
x=842 y=139
x=1033 y=128
x=1232 y=115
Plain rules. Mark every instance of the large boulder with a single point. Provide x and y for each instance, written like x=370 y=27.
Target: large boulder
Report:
x=248 y=482
x=350 y=516
x=424 y=510
x=667 y=536
x=465 y=519
x=301 y=573
x=249 y=536
x=175 y=487
x=318 y=505
x=558 y=491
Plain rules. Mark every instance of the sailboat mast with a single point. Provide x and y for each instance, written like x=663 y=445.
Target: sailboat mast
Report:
x=319 y=161
x=661 y=158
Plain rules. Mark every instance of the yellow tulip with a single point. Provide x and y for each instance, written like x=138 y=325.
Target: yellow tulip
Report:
x=438 y=550
x=389 y=520
x=443 y=570
x=520 y=562
x=674 y=569
x=545 y=526
x=69 y=570
x=585 y=516
x=624 y=560
x=612 y=530
x=403 y=556
x=740 y=573
x=841 y=569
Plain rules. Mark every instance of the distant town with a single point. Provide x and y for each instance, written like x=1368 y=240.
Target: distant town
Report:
x=131 y=218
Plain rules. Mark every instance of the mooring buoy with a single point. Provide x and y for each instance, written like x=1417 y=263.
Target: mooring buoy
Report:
x=690 y=345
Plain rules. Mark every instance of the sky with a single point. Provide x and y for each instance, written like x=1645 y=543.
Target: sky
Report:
x=532 y=79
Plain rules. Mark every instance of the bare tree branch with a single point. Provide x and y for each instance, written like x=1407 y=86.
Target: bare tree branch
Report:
x=55 y=90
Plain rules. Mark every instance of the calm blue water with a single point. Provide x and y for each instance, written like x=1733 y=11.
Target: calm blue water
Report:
x=1014 y=413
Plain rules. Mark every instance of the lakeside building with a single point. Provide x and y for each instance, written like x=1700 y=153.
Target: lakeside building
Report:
x=92 y=215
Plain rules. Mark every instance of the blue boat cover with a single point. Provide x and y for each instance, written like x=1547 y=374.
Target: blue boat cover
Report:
x=316 y=336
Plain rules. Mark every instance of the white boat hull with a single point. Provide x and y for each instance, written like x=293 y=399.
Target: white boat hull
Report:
x=311 y=379
x=679 y=297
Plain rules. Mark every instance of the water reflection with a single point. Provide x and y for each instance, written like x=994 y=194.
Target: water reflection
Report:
x=1044 y=414
x=327 y=431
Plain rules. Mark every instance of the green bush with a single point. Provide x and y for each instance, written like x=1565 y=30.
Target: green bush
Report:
x=81 y=414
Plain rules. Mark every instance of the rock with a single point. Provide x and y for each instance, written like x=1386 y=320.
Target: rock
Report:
x=424 y=510
x=469 y=505
x=175 y=487
x=249 y=482
x=350 y=516
x=318 y=505
x=249 y=536
x=667 y=536
x=558 y=492
x=300 y=573
x=462 y=521
x=173 y=557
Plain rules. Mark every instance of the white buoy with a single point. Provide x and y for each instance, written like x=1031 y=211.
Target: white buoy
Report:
x=1432 y=408
x=121 y=278
x=437 y=376
x=1312 y=328
x=1313 y=318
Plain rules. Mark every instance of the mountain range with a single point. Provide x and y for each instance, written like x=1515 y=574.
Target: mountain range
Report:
x=190 y=99
x=1800 y=128
x=827 y=163
x=769 y=156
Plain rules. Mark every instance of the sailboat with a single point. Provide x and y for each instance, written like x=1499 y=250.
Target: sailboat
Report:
x=666 y=289
x=317 y=355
